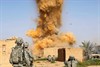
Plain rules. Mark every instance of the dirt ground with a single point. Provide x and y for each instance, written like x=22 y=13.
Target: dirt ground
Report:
x=48 y=64
x=41 y=64
x=38 y=64
x=94 y=66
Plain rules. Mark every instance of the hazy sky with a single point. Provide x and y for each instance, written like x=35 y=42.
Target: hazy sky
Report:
x=82 y=17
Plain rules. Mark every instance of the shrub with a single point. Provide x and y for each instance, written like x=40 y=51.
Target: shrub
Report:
x=88 y=63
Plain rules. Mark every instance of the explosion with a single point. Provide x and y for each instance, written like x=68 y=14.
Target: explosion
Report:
x=47 y=31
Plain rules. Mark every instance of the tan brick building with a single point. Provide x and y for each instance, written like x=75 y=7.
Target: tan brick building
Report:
x=5 y=50
x=71 y=51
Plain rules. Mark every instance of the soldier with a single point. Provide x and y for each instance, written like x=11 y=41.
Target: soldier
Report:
x=53 y=59
x=71 y=62
x=27 y=55
x=49 y=58
x=16 y=54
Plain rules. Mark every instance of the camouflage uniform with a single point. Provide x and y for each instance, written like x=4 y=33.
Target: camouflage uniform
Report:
x=49 y=58
x=54 y=58
x=28 y=56
x=71 y=62
x=18 y=47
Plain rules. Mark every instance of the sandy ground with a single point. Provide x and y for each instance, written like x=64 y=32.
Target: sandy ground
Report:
x=38 y=64
x=48 y=64
x=94 y=66
x=41 y=64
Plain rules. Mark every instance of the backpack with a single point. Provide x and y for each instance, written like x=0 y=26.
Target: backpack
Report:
x=16 y=55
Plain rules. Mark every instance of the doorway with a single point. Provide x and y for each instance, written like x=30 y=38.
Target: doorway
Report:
x=61 y=54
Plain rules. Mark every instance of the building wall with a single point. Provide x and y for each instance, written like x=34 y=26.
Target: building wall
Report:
x=51 y=51
x=5 y=52
x=76 y=52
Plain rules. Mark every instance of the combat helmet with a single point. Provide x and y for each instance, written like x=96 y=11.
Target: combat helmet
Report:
x=71 y=58
x=26 y=44
x=19 y=40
